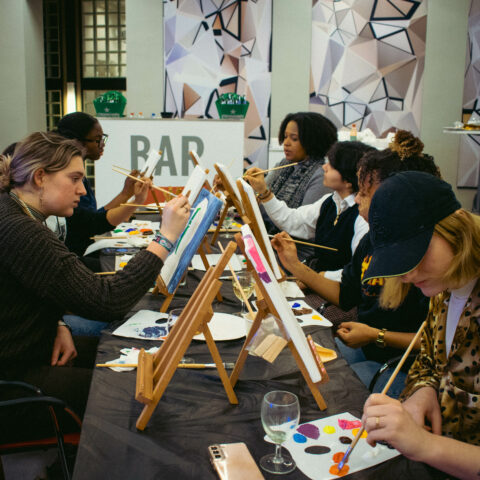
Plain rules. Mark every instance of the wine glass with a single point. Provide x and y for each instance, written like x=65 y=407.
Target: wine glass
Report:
x=280 y=416
x=228 y=222
x=245 y=283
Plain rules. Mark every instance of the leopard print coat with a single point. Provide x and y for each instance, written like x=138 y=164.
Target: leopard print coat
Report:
x=456 y=377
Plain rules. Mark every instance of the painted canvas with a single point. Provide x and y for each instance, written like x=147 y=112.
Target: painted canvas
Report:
x=203 y=212
x=293 y=328
x=195 y=183
x=261 y=225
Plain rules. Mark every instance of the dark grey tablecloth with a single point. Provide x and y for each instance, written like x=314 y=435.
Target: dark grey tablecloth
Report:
x=194 y=411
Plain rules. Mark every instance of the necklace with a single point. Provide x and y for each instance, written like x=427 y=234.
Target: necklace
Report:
x=30 y=211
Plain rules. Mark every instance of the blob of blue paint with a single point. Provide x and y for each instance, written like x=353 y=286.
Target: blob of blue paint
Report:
x=130 y=229
x=296 y=305
x=153 y=332
x=299 y=438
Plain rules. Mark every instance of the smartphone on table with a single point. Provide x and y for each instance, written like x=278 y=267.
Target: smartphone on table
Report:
x=233 y=461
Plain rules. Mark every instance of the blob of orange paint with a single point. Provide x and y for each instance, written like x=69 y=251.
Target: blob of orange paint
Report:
x=337 y=457
x=355 y=431
x=340 y=473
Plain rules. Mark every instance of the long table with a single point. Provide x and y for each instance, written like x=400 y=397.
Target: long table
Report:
x=194 y=411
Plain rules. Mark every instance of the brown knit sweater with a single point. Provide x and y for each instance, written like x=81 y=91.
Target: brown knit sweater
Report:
x=40 y=279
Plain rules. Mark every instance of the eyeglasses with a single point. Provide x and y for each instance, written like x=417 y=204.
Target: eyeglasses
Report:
x=98 y=141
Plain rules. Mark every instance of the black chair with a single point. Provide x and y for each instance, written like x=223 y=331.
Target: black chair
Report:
x=391 y=363
x=56 y=411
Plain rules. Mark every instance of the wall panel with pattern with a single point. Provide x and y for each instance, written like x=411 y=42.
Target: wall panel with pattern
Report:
x=469 y=154
x=219 y=46
x=368 y=61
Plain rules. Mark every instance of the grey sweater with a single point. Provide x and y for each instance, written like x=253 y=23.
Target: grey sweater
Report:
x=40 y=279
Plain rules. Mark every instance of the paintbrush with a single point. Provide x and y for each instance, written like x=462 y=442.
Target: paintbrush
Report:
x=384 y=391
x=272 y=169
x=196 y=366
x=163 y=190
x=308 y=243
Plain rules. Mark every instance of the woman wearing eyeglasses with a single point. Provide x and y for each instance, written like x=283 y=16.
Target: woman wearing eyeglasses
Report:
x=87 y=220
x=87 y=129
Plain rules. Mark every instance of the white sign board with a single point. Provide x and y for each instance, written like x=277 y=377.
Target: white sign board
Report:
x=131 y=140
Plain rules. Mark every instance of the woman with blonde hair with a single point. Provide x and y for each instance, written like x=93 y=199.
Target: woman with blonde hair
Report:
x=421 y=236
x=41 y=279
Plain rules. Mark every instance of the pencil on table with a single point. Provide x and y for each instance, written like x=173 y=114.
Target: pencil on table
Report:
x=383 y=392
x=196 y=366
x=117 y=237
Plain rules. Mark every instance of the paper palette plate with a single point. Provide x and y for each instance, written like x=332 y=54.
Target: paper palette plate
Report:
x=313 y=445
x=314 y=318
x=225 y=327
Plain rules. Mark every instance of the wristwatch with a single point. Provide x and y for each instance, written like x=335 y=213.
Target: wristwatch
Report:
x=380 y=341
x=61 y=323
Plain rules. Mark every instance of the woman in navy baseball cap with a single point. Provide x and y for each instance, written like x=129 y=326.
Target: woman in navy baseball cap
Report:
x=421 y=236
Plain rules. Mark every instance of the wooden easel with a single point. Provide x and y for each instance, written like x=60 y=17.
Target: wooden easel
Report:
x=154 y=372
x=253 y=223
x=231 y=200
x=160 y=286
x=196 y=161
x=266 y=307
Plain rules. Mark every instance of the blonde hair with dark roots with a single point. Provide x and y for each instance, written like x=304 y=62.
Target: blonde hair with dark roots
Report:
x=461 y=230
x=49 y=151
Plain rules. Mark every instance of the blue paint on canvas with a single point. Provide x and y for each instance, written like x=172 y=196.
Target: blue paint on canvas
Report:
x=214 y=206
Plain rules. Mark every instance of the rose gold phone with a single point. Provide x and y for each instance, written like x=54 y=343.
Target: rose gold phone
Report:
x=233 y=461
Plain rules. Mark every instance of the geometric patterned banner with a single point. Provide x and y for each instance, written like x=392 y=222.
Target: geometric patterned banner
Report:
x=220 y=46
x=367 y=62
x=469 y=153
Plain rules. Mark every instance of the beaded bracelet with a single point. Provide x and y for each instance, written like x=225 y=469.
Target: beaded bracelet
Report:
x=264 y=195
x=164 y=242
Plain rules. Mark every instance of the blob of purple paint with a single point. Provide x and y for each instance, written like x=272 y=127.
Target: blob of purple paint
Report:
x=309 y=430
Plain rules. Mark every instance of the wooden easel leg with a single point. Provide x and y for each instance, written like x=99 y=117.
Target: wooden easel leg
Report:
x=166 y=303
x=206 y=245
x=242 y=357
x=203 y=256
x=220 y=367
x=313 y=387
x=157 y=203
x=220 y=223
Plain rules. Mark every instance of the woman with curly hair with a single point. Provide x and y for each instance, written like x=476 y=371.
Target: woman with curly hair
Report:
x=306 y=138
x=379 y=334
